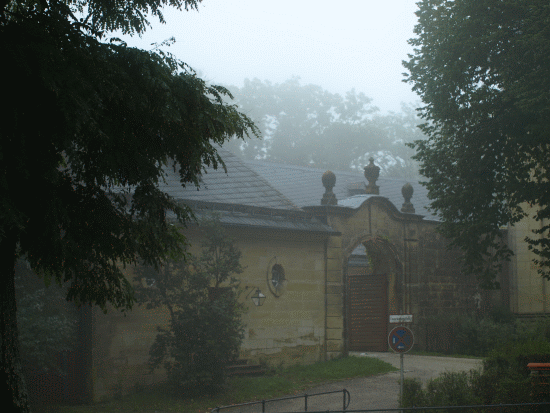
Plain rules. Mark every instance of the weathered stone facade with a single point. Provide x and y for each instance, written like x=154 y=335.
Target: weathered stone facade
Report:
x=299 y=323
x=424 y=277
x=397 y=259
x=120 y=350
x=530 y=293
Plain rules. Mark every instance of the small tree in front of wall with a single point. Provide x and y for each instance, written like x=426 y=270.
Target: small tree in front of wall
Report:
x=205 y=328
x=46 y=321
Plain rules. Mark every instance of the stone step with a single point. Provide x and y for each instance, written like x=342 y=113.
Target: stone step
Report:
x=243 y=368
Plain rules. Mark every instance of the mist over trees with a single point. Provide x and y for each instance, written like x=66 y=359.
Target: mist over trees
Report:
x=308 y=126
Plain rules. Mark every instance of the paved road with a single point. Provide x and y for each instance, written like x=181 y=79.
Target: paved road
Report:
x=376 y=392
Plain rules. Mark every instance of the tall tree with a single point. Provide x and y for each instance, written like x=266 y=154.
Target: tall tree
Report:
x=399 y=129
x=287 y=114
x=309 y=126
x=88 y=125
x=481 y=68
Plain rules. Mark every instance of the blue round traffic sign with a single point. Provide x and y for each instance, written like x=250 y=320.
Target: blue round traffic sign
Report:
x=401 y=339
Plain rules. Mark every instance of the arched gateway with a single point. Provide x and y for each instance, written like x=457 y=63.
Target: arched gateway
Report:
x=379 y=246
x=370 y=276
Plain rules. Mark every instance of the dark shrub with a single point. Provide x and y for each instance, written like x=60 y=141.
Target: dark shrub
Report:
x=206 y=329
x=449 y=389
x=504 y=379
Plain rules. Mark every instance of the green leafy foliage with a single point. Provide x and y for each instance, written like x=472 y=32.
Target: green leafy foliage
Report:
x=449 y=389
x=88 y=127
x=325 y=130
x=413 y=394
x=504 y=379
x=47 y=322
x=205 y=329
x=116 y=116
x=481 y=70
x=478 y=336
x=102 y=15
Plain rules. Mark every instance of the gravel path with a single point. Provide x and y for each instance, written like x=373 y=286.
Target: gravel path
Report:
x=375 y=392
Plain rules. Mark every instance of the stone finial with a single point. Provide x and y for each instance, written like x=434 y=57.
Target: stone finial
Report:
x=371 y=173
x=329 y=180
x=407 y=192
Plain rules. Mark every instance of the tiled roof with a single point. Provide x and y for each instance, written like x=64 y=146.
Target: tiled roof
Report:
x=242 y=198
x=270 y=195
x=302 y=185
x=240 y=185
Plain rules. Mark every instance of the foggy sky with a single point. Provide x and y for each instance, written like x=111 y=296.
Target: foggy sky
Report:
x=338 y=45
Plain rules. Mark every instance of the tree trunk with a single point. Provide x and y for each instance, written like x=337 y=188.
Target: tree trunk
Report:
x=14 y=389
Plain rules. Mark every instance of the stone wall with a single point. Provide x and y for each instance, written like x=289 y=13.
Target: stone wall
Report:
x=301 y=325
x=292 y=325
x=424 y=276
x=436 y=282
x=529 y=291
x=305 y=320
x=120 y=349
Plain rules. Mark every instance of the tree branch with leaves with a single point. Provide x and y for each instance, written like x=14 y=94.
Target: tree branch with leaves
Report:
x=481 y=69
x=88 y=127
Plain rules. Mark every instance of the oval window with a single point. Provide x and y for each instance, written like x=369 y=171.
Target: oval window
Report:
x=277 y=278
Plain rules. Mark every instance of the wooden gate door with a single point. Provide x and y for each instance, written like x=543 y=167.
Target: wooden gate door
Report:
x=367 y=310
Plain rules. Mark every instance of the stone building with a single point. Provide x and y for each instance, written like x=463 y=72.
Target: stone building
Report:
x=334 y=255
x=529 y=292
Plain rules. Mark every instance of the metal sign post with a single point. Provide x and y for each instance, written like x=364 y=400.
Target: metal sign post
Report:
x=401 y=340
x=402 y=377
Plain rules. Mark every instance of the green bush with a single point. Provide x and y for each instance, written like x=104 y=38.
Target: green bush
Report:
x=504 y=379
x=502 y=314
x=449 y=389
x=202 y=340
x=532 y=329
x=413 y=394
x=477 y=336
x=47 y=322
x=206 y=330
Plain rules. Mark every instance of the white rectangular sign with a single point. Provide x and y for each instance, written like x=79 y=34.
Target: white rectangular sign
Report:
x=401 y=318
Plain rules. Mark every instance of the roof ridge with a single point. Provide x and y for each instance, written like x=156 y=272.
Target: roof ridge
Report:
x=321 y=170
x=292 y=166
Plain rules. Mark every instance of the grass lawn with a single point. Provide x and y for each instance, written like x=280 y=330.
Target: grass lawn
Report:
x=240 y=389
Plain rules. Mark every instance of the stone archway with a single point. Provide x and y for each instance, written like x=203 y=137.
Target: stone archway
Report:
x=371 y=273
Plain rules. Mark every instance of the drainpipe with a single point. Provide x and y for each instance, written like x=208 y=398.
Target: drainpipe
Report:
x=326 y=298
x=544 y=306
x=405 y=267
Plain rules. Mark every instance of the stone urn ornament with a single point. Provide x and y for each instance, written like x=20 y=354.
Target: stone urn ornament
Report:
x=329 y=180
x=372 y=172
x=407 y=192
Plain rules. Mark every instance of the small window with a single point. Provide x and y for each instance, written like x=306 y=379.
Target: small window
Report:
x=277 y=278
